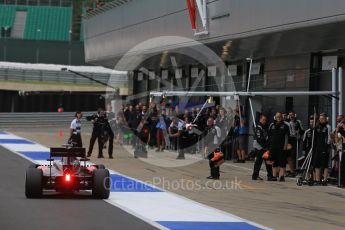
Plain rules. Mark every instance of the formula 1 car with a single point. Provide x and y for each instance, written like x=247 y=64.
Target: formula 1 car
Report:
x=68 y=175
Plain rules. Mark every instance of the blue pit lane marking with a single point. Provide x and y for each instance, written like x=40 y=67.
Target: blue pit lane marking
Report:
x=3 y=132
x=189 y=225
x=38 y=155
x=120 y=183
x=15 y=141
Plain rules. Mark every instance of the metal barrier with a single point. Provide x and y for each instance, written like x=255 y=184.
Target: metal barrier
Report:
x=39 y=119
x=8 y=74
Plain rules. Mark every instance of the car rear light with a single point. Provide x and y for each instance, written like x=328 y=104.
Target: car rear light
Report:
x=67 y=177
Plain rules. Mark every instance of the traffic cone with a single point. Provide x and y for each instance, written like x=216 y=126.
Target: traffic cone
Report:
x=60 y=136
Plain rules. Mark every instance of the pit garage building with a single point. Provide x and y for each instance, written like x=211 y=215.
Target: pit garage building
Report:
x=293 y=44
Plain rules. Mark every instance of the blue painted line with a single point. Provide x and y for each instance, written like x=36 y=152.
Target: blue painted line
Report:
x=15 y=141
x=38 y=155
x=186 y=225
x=3 y=132
x=120 y=183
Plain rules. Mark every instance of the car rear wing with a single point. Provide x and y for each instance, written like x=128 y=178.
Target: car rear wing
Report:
x=67 y=152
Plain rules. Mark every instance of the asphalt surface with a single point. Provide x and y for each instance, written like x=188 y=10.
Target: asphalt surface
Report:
x=273 y=204
x=54 y=211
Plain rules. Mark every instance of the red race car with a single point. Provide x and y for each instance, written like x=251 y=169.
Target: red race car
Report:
x=68 y=175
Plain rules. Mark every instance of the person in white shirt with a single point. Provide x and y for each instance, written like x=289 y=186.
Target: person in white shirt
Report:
x=75 y=131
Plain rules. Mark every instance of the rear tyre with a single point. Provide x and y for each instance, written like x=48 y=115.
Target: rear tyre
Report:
x=101 y=184
x=33 y=183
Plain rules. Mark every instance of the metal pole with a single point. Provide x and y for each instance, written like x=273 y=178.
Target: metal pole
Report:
x=204 y=8
x=334 y=100
x=252 y=111
x=239 y=109
x=203 y=106
x=340 y=163
x=248 y=85
x=340 y=90
x=5 y=49
x=250 y=73
x=240 y=93
x=90 y=78
x=312 y=145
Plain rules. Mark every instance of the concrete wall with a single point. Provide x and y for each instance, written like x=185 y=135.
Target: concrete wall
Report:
x=48 y=52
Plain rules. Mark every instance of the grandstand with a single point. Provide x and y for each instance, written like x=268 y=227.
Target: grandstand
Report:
x=39 y=23
x=48 y=23
x=37 y=39
x=39 y=2
x=51 y=20
x=48 y=30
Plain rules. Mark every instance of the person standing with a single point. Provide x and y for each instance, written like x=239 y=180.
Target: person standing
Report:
x=235 y=130
x=183 y=138
x=296 y=131
x=173 y=132
x=161 y=126
x=134 y=121
x=75 y=131
x=94 y=135
x=261 y=145
x=102 y=132
x=242 y=139
x=321 y=150
x=308 y=140
x=278 y=134
x=223 y=123
x=214 y=155
x=212 y=136
x=341 y=156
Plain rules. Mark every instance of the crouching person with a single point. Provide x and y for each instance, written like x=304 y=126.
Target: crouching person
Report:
x=216 y=159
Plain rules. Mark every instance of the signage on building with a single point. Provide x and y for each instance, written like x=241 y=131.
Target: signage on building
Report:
x=290 y=77
x=140 y=76
x=178 y=73
x=212 y=71
x=194 y=72
x=152 y=75
x=232 y=70
x=256 y=68
x=329 y=62
x=165 y=74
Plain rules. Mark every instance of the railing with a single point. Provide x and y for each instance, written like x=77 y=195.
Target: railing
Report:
x=49 y=76
x=106 y=7
x=39 y=119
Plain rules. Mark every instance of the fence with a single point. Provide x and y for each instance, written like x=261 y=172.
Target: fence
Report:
x=39 y=119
